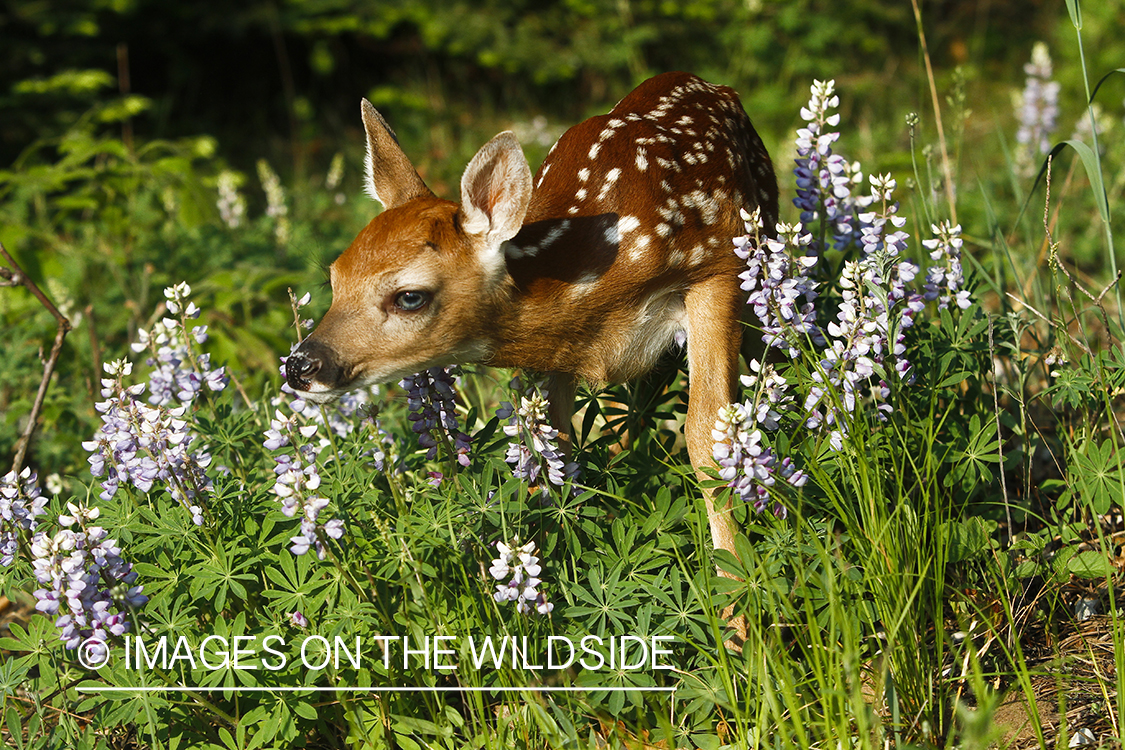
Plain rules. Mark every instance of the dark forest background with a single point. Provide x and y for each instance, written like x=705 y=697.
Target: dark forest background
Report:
x=282 y=80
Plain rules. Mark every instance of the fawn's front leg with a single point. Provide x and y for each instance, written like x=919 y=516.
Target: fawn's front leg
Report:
x=561 y=389
x=714 y=336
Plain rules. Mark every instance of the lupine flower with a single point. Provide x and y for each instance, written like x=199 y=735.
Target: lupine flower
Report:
x=874 y=293
x=944 y=281
x=771 y=396
x=523 y=566
x=298 y=478
x=825 y=180
x=782 y=292
x=84 y=580
x=141 y=444
x=298 y=620
x=890 y=274
x=297 y=304
x=21 y=503
x=231 y=205
x=876 y=300
x=431 y=400
x=275 y=201
x=179 y=372
x=536 y=443
x=745 y=464
x=856 y=350
x=1037 y=109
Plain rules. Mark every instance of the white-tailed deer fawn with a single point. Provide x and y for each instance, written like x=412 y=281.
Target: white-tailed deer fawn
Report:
x=621 y=245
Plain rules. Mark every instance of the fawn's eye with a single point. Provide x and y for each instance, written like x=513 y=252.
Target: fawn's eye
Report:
x=410 y=301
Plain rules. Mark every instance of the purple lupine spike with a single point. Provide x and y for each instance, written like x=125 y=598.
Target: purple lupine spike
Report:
x=83 y=579
x=1038 y=110
x=21 y=504
x=945 y=281
x=143 y=443
x=536 y=441
x=431 y=398
x=745 y=464
x=523 y=566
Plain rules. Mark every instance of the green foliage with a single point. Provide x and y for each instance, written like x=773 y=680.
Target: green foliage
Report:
x=104 y=226
x=411 y=566
x=965 y=518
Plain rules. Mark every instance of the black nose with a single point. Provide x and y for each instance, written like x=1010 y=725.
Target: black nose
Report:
x=313 y=361
x=300 y=369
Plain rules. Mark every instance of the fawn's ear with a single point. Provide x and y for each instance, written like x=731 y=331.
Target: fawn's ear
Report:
x=390 y=177
x=495 y=192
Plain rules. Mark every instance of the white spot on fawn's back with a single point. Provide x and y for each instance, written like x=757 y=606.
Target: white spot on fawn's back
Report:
x=610 y=178
x=637 y=251
x=628 y=224
x=624 y=225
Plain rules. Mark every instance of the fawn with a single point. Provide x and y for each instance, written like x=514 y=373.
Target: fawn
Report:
x=619 y=246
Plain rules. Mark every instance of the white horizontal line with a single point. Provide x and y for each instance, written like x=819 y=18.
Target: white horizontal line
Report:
x=384 y=689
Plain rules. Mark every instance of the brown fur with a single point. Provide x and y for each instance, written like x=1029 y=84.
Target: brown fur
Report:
x=624 y=240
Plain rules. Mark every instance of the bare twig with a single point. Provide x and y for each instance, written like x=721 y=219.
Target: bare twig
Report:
x=241 y=391
x=15 y=275
x=95 y=351
x=1098 y=299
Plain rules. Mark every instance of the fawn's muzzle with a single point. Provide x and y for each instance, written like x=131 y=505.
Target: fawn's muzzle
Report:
x=313 y=362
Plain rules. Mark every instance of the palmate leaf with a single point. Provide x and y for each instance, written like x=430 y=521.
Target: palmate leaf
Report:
x=1098 y=476
x=971 y=464
x=38 y=642
x=1073 y=387
x=300 y=588
x=220 y=577
x=681 y=609
x=607 y=603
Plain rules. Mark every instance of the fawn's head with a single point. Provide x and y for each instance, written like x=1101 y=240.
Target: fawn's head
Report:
x=413 y=289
